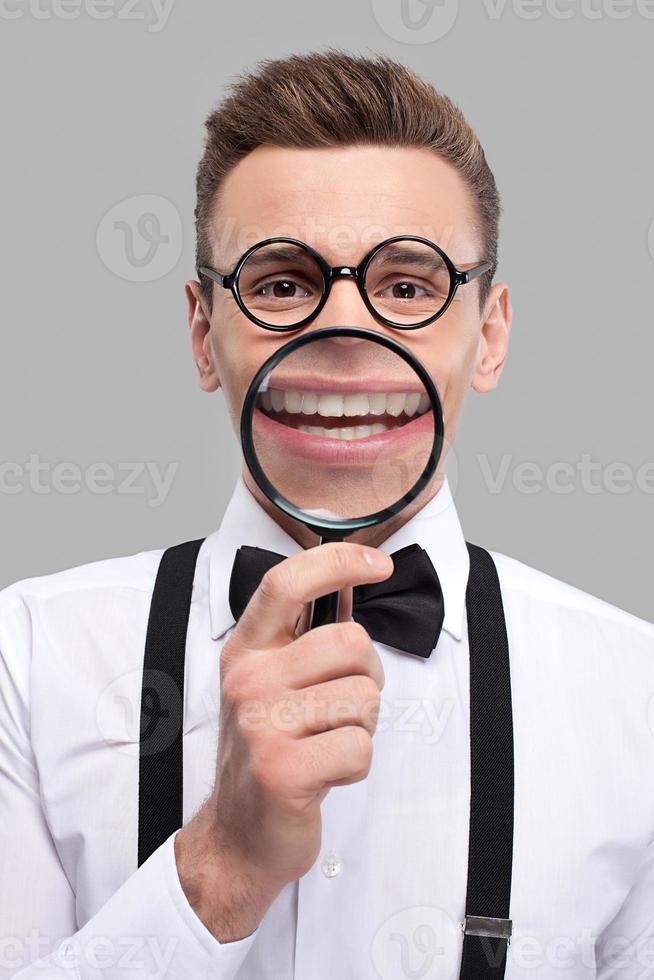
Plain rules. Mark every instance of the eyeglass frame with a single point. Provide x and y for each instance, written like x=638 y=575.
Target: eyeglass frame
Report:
x=458 y=277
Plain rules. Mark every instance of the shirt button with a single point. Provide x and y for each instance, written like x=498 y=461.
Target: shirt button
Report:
x=331 y=865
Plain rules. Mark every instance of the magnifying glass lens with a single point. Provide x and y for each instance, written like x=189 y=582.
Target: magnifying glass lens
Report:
x=343 y=427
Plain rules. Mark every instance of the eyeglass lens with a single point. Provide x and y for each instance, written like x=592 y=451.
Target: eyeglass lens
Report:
x=406 y=282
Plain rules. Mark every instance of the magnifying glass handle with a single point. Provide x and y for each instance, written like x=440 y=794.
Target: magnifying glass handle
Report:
x=324 y=609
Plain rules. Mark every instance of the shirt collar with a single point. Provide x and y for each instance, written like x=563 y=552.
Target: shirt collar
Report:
x=435 y=527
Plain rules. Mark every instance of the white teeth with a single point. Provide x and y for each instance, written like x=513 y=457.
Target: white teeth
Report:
x=293 y=401
x=377 y=404
x=330 y=405
x=347 y=432
x=334 y=405
x=395 y=403
x=412 y=402
x=309 y=403
x=278 y=399
x=356 y=404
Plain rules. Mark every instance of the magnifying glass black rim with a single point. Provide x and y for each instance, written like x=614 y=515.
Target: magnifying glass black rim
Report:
x=324 y=525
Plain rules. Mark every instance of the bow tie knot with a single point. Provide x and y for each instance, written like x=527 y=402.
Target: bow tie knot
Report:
x=404 y=611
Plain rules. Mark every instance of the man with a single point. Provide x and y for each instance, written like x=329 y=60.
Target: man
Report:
x=304 y=854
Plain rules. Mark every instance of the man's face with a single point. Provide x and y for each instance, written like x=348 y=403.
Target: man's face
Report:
x=342 y=202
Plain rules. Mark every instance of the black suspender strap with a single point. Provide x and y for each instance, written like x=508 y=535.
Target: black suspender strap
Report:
x=162 y=699
x=487 y=927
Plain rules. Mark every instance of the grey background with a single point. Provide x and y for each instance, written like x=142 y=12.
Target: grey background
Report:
x=95 y=367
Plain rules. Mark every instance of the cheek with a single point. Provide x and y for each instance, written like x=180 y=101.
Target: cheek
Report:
x=451 y=365
x=235 y=366
x=451 y=368
x=239 y=351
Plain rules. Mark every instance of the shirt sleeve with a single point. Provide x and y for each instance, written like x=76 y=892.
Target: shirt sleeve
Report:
x=146 y=929
x=625 y=948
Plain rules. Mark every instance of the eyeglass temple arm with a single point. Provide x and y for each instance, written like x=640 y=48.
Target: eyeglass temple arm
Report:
x=469 y=274
x=224 y=281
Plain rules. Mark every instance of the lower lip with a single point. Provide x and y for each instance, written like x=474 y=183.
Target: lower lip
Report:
x=342 y=452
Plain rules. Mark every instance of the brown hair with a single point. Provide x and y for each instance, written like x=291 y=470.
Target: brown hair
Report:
x=333 y=98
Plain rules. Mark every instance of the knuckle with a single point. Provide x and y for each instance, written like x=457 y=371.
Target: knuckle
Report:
x=251 y=718
x=237 y=685
x=272 y=583
x=362 y=747
x=366 y=690
x=285 y=777
x=342 y=558
x=356 y=637
x=265 y=768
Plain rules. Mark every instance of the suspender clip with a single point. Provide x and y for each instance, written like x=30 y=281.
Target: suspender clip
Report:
x=482 y=925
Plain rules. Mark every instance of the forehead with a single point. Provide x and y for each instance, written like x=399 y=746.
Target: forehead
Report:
x=343 y=200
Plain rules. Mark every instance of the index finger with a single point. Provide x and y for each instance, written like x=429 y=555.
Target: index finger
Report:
x=345 y=607
x=270 y=617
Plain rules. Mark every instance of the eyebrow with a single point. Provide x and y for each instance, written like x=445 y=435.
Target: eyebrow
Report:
x=409 y=256
x=389 y=254
x=279 y=253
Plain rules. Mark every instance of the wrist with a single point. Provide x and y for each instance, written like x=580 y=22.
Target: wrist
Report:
x=228 y=895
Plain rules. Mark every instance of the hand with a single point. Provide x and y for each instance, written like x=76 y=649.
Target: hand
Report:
x=297 y=712
x=297 y=715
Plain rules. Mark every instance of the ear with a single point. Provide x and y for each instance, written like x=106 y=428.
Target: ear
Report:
x=199 y=322
x=494 y=339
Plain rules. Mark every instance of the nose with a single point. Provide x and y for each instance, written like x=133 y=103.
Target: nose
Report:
x=345 y=306
x=347 y=341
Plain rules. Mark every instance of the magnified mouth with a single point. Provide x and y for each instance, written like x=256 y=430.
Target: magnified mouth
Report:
x=342 y=415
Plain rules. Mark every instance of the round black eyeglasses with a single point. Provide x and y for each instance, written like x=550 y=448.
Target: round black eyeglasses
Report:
x=405 y=282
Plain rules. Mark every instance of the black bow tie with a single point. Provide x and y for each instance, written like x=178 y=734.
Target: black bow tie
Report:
x=405 y=611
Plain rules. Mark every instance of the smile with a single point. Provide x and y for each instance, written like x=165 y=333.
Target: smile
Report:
x=342 y=415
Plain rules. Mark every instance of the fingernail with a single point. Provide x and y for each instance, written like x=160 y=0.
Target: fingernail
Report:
x=376 y=558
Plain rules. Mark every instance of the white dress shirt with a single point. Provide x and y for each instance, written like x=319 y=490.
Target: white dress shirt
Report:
x=386 y=897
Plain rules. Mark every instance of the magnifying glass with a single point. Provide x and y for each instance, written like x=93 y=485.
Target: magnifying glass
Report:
x=341 y=428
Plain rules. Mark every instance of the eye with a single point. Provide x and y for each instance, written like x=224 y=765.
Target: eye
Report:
x=403 y=289
x=282 y=287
